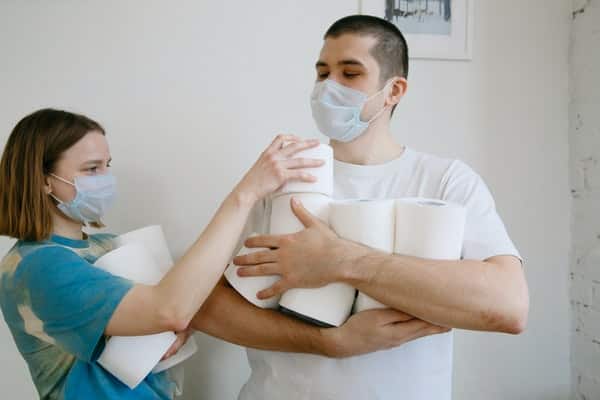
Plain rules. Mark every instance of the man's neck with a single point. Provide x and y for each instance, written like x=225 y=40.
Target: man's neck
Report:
x=375 y=146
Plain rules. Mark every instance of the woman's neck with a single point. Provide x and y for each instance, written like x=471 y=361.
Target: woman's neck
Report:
x=65 y=227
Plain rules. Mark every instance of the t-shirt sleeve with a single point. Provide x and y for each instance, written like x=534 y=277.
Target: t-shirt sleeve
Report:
x=485 y=233
x=73 y=299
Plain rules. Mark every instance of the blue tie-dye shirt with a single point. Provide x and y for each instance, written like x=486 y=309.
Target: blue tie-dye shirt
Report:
x=57 y=305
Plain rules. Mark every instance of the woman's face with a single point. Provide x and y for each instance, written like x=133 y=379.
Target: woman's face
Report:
x=89 y=156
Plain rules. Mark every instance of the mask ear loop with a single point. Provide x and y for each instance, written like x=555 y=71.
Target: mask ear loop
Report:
x=378 y=114
x=62 y=179
x=55 y=198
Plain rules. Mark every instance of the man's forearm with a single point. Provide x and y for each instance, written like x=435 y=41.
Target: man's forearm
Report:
x=228 y=316
x=468 y=294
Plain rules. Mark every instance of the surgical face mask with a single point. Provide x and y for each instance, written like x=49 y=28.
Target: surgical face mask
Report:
x=336 y=110
x=94 y=196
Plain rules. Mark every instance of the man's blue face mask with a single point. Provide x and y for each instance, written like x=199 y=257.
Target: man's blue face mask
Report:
x=336 y=110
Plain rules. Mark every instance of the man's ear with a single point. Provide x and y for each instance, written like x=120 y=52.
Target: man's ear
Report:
x=398 y=90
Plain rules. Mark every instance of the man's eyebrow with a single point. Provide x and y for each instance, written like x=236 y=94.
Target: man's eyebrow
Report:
x=349 y=61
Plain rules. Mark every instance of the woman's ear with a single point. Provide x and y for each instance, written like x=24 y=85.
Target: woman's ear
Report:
x=47 y=185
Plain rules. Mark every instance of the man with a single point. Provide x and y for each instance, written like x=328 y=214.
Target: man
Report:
x=362 y=70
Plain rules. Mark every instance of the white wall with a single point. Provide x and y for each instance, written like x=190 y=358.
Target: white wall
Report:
x=190 y=92
x=584 y=140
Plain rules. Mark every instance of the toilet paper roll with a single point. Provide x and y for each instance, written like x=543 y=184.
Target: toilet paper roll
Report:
x=283 y=220
x=250 y=285
x=324 y=173
x=429 y=228
x=186 y=351
x=131 y=358
x=425 y=228
x=368 y=222
x=153 y=238
x=132 y=261
x=329 y=305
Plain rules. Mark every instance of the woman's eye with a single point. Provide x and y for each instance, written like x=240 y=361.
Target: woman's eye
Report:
x=92 y=169
x=323 y=75
x=351 y=74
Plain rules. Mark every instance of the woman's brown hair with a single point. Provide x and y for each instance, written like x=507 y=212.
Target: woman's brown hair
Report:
x=31 y=152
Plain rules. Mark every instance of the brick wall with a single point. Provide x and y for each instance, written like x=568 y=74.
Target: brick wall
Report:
x=585 y=187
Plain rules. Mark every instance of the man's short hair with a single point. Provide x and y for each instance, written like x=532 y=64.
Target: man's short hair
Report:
x=390 y=51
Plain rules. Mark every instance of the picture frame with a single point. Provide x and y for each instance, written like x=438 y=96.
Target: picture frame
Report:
x=434 y=29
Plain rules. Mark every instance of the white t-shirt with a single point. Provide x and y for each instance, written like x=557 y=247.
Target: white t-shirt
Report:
x=420 y=369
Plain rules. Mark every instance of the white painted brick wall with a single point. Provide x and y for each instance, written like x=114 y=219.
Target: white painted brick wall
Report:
x=585 y=187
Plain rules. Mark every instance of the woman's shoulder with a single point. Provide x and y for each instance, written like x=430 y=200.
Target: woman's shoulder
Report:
x=106 y=241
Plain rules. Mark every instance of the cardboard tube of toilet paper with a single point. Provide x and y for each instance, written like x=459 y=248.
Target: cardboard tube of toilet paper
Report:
x=425 y=228
x=324 y=173
x=249 y=286
x=131 y=358
x=153 y=239
x=329 y=305
x=368 y=222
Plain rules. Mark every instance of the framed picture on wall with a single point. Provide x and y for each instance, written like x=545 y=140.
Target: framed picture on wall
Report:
x=434 y=29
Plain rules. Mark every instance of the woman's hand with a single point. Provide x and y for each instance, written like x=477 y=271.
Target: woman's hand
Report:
x=182 y=337
x=276 y=166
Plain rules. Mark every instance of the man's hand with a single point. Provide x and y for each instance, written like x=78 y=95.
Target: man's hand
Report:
x=375 y=330
x=182 y=337
x=310 y=258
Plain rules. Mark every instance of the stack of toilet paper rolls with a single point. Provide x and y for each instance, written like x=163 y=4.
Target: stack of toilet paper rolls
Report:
x=329 y=305
x=418 y=227
x=143 y=257
x=326 y=306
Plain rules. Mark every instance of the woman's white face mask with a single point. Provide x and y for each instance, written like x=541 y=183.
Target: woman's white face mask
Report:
x=95 y=194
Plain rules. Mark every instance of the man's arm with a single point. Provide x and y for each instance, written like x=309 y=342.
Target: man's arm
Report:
x=230 y=317
x=486 y=295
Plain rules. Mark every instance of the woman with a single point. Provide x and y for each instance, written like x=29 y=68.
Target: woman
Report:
x=55 y=180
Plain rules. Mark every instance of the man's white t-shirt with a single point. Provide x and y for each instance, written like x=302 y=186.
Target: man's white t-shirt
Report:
x=420 y=369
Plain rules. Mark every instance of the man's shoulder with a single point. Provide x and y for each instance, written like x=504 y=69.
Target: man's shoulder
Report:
x=446 y=167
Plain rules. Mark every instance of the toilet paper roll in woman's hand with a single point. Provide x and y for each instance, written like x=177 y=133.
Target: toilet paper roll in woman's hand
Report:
x=277 y=166
x=310 y=258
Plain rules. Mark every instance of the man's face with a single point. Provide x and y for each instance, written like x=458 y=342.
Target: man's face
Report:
x=346 y=59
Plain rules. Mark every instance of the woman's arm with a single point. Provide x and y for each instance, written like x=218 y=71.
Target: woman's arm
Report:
x=170 y=305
